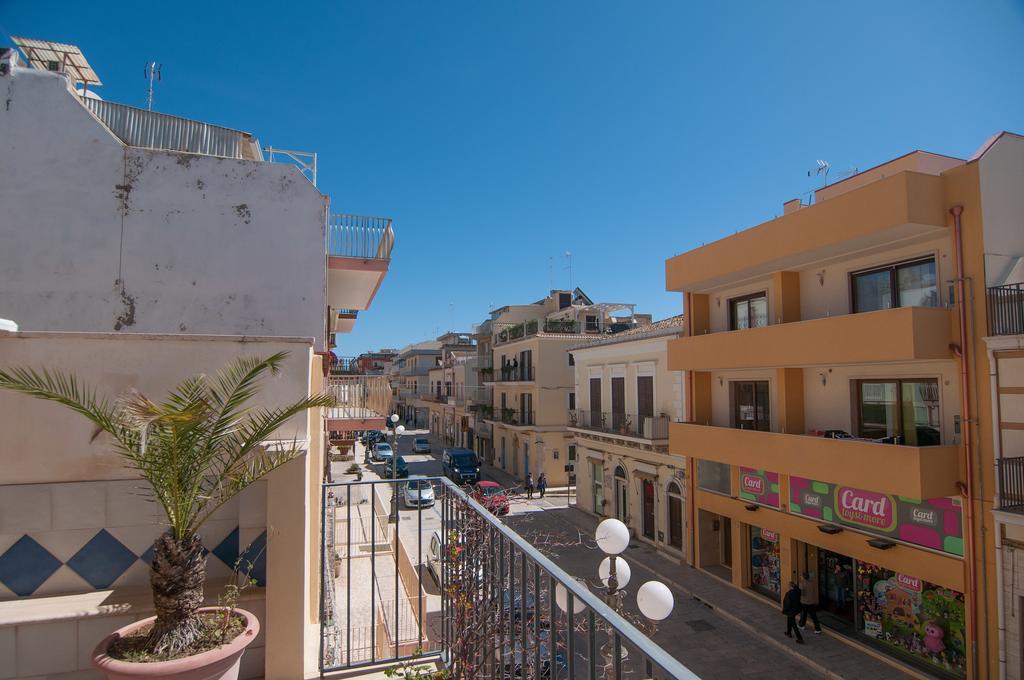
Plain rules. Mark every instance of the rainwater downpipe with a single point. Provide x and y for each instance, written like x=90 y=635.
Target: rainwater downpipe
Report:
x=691 y=464
x=968 y=488
x=997 y=456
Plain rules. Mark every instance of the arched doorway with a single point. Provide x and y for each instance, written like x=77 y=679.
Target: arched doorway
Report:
x=621 y=495
x=648 y=519
x=675 y=516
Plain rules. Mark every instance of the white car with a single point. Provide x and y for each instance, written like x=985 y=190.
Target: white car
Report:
x=382 y=452
x=434 y=557
x=418 y=492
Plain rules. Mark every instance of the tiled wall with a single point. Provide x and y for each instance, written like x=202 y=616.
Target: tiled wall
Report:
x=81 y=536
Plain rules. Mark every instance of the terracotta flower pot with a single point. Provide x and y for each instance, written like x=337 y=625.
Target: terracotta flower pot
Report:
x=216 y=664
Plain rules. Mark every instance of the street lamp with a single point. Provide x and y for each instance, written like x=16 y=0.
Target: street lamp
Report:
x=397 y=431
x=653 y=598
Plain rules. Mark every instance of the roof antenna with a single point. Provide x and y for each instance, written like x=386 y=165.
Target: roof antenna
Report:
x=568 y=257
x=820 y=171
x=151 y=73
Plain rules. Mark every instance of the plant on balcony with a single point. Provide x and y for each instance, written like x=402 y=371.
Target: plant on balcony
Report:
x=508 y=415
x=486 y=410
x=487 y=372
x=197 y=449
x=573 y=418
x=626 y=424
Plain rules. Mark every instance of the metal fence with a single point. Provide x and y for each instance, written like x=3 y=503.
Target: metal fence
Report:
x=360 y=237
x=1006 y=309
x=152 y=130
x=626 y=424
x=1011 y=483
x=499 y=608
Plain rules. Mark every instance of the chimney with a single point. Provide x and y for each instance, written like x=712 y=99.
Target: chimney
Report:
x=791 y=206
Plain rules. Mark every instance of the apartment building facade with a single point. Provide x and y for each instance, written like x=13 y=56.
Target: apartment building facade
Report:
x=532 y=378
x=133 y=264
x=619 y=413
x=835 y=419
x=410 y=381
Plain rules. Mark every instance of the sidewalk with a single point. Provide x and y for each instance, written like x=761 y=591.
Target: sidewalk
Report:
x=752 y=618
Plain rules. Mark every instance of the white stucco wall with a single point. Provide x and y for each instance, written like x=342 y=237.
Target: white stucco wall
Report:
x=1001 y=172
x=100 y=237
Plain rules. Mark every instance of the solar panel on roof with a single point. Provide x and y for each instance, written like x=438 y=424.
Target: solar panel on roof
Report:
x=59 y=57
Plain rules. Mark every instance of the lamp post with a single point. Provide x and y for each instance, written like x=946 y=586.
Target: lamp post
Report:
x=653 y=598
x=397 y=431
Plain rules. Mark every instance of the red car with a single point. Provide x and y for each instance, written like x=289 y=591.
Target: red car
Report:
x=491 y=496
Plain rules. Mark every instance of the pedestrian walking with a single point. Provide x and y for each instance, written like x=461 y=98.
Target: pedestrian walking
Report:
x=529 y=485
x=809 y=602
x=791 y=607
x=542 y=484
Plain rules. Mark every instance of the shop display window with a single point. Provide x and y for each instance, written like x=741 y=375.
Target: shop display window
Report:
x=765 y=570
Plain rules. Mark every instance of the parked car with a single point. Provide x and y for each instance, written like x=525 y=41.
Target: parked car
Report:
x=400 y=467
x=418 y=492
x=491 y=496
x=382 y=452
x=421 y=445
x=461 y=466
x=434 y=563
x=371 y=437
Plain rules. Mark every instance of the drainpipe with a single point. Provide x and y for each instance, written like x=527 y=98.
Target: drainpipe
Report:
x=997 y=455
x=967 y=490
x=691 y=464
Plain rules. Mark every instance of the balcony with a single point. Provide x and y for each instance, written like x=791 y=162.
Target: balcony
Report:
x=910 y=471
x=1006 y=309
x=345 y=366
x=362 y=402
x=513 y=613
x=358 y=257
x=462 y=395
x=510 y=373
x=622 y=424
x=345 y=320
x=888 y=335
x=511 y=333
x=900 y=207
x=1011 y=484
x=509 y=416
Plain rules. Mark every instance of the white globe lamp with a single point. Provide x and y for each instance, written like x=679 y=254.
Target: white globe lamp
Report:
x=394 y=417
x=622 y=572
x=562 y=600
x=612 y=536
x=655 y=600
x=400 y=430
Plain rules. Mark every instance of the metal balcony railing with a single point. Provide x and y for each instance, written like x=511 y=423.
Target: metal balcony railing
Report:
x=359 y=237
x=626 y=424
x=506 y=610
x=1006 y=309
x=512 y=373
x=514 y=416
x=345 y=366
x=358 y=396
x=1011 y=484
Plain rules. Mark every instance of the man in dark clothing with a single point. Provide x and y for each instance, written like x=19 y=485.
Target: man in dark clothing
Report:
x=791 y=608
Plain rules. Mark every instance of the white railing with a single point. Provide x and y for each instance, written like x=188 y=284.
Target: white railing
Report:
x=364 y=238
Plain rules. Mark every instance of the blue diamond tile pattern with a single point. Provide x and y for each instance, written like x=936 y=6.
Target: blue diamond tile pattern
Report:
x=254 y=560
x=147 y=556
x=227 y=550
x=102 y=560
x=26 y=565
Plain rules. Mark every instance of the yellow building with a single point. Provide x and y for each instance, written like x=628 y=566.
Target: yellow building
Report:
x=532 y=377
x=838 y=420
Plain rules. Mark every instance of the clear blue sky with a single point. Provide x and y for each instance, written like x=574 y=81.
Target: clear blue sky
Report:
x=499 y=135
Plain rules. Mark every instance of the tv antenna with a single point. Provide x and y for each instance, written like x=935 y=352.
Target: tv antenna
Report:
x=820 y=171
x=151 y=73
x=568 y=258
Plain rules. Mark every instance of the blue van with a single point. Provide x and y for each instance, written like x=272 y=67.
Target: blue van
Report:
x=461 y=466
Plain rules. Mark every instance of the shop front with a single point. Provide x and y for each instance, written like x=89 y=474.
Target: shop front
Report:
x=765 y=563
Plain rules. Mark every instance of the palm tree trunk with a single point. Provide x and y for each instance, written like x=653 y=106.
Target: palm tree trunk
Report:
x=177 y=576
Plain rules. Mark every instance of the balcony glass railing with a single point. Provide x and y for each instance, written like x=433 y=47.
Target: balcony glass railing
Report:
x=360 y=237
x=504 y=609
x=625 y=424
x=1006 y=309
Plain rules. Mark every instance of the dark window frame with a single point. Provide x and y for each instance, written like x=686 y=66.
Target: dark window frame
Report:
x=901 y=427
x=892 y=268
x=745 y=298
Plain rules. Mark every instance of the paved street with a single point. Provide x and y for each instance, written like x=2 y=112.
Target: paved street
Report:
x=715 y=630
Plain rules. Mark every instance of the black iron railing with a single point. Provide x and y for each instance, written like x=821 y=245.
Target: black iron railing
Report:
x=345 y=366
x=1011 y=483
x=1006 y=309
x=626 y=424
x=514 y=416
x=512 y=373
x=505 y=610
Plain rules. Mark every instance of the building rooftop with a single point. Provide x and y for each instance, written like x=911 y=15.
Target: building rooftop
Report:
x=670 y=326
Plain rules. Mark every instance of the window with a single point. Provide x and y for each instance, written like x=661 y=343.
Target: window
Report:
x=595 y=395
x=905 y=411
x=572 y=401
x=714 y=476
x=597 y=486
x=749 y=311
x=572 y=359
x=675 y=516
x=645 y=396
x=572 y=453
x=751 y=406
x=908 y=284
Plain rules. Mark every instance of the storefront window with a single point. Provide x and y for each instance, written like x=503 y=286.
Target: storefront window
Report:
x=919 y=620
x=765 y=572
x=714 y=476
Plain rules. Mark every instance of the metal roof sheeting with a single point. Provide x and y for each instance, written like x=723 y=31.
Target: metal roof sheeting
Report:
x=152 y=130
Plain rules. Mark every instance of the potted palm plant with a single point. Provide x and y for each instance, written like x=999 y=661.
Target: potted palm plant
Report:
x=197 y=449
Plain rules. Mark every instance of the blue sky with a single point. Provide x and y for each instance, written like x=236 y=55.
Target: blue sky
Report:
x=500 y=135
